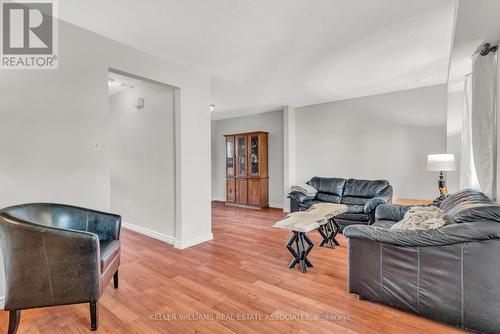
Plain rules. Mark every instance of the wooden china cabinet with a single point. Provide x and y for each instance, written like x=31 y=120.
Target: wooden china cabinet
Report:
x=247 y=181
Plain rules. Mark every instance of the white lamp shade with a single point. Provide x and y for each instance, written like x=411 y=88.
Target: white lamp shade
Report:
x=440 y=162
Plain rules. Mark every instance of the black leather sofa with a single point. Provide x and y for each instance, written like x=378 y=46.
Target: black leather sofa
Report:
x=450 y=274
x=57 y=254
x=361 y=196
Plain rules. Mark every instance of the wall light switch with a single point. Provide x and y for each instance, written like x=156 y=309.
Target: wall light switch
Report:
x=140 y=103
x=96 y=146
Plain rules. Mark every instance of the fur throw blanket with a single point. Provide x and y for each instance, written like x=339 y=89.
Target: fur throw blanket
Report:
x=304 y=189
x=421 y=218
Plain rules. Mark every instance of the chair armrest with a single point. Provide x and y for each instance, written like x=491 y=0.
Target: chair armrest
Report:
x=447 y=235
x=106 y=225
x=50 y=265
x=300 y=197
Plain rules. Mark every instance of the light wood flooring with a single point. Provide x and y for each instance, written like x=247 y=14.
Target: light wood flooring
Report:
x=241 y=273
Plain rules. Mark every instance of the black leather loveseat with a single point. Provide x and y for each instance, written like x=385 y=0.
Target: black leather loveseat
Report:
x=361 y=196
x=450 y=274
x=57 y=254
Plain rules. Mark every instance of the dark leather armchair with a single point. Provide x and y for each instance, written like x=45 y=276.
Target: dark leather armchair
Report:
x=450 y=274
x=361 y=196
x=56 y=255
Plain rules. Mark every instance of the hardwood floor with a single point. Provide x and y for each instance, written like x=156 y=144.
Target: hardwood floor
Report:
x=243 y=272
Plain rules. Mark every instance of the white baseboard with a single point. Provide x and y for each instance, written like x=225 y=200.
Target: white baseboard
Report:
x=2 y=302
x=193 y=241
x=276 y=206
x=147 y=232
x=166 y=238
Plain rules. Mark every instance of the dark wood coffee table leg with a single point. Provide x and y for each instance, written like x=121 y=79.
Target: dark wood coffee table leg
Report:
x=303 y=246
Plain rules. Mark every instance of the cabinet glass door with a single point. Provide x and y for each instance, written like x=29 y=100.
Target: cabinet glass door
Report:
x=241 y=149
x=254 y=155
x=230 y=156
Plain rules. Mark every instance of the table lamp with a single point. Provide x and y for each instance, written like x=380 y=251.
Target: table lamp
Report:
x=441 y=163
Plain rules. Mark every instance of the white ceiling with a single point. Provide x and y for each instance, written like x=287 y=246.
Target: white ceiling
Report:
x=263 y=54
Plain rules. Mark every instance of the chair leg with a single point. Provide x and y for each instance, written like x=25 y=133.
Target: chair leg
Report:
x=94 y=315
x=115 y=280
x=14 y=318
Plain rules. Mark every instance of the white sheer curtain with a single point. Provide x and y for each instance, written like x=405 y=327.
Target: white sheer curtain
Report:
x=468 y=175
x=483 y=120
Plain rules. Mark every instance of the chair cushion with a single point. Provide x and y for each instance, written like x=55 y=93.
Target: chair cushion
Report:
x=364 y=188
x=109 y=250
x=328 y=185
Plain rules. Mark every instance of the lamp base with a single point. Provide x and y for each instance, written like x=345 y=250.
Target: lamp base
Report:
x=440 y=198
x=443 y=190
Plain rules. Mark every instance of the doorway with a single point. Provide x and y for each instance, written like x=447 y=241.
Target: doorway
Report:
x=142 y=154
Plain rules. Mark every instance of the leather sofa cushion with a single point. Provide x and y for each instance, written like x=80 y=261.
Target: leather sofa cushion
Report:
x=346 y=222
x=466 y=196
x=364 y=188
x=326 y=197
x=109 y=250
x=356 y=209
x=354 y=216
x=354 y=200
x=468 y=206
x=328 y=185
x=473 y=213
x=384 y=223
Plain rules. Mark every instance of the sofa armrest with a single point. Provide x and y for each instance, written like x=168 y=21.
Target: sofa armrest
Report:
x=385 y=197
x=447 y=235
x=300 y=197
x=391 y=212
x=372 y=204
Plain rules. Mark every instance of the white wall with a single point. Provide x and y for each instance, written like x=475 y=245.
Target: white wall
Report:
x=385 y=136
x=271 y=122
x=49 y=119
x=289 y=156
x=142 y=158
